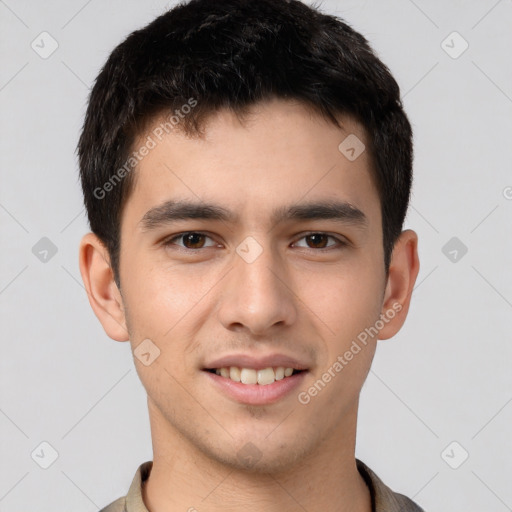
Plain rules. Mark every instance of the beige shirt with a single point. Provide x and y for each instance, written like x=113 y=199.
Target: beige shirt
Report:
x=383 y=498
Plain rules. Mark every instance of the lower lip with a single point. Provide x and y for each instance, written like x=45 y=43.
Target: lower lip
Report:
x=256 y=394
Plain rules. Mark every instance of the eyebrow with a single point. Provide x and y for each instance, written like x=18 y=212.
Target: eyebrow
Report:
x=171 y=211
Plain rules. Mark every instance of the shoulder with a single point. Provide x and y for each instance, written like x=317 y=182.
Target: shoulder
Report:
x=385 y=499
x=133 y=500
x=405 y=504
x=116 y=506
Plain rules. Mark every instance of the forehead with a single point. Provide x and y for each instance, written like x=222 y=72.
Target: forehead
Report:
x=282 y=152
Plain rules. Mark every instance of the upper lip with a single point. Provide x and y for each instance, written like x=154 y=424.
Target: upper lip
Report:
x=256 y=363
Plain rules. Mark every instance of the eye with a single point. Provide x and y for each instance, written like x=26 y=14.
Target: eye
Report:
x=191 y=240
x=319 y=241
x=195 y=240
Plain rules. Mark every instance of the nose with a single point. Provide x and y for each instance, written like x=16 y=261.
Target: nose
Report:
x=257 y=295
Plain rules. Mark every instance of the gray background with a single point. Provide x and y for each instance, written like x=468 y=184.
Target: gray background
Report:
x=445 y=377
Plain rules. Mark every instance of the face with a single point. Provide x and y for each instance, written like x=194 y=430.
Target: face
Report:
x=226 y=262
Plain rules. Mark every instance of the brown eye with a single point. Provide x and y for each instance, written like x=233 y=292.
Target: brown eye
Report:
x=191 y=240
x=320 y=241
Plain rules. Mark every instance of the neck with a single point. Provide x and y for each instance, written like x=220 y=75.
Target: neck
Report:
x=184 y=478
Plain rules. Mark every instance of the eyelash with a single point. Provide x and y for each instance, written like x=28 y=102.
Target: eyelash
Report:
x=169 y=241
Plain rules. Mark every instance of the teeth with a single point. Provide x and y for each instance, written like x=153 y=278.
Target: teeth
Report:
x=251 y=376
x=248 y=376
x=234 y=373
x=266 y=376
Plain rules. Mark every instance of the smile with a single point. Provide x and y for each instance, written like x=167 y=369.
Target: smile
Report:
x=255 y=387
x=262 y=377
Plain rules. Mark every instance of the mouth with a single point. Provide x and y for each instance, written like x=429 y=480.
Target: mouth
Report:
x=256 y=386
x=252 y=376
x=256 y=379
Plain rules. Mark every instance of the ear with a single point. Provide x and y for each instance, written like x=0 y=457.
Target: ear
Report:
x=403 y=270
x=104 y=296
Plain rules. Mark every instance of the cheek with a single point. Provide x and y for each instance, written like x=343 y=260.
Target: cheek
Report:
x=346 y=300
x=154 y=294
x=161 y=307
x=167 y=304
x=346 y=306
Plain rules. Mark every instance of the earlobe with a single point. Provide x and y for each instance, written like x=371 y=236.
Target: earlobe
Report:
x=403 y=271
x=104 y=296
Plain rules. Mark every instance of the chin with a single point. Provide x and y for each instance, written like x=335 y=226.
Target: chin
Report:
x=257 y=455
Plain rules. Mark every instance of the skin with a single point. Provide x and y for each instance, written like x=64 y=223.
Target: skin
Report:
x=298 y=297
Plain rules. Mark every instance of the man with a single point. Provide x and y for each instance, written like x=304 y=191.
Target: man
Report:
x=246 y=168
